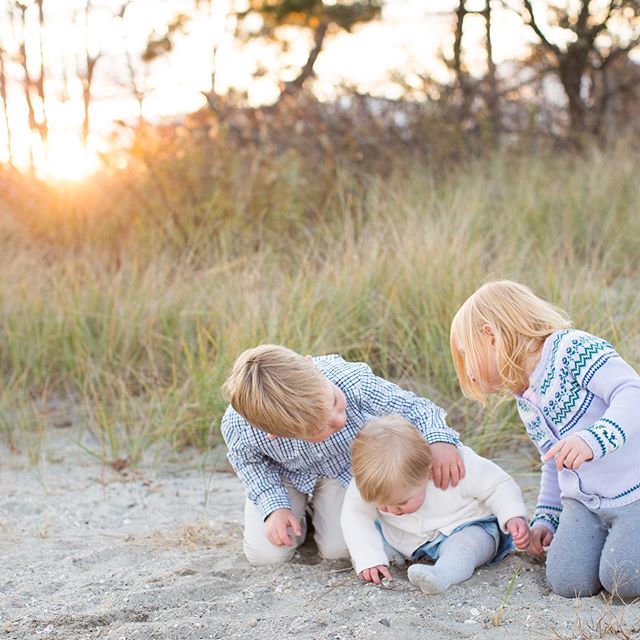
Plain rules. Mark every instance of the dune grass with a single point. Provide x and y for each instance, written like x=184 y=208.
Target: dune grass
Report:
x=127 y=303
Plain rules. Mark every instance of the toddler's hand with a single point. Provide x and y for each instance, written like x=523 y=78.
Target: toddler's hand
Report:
x=570 y=452
x=541 y=537
x=447 y=464
x=519 y=530
x=276 y=527
x=375 y=574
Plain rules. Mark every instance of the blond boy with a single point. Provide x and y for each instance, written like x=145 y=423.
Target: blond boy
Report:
x=288 y=431
x=392 y=506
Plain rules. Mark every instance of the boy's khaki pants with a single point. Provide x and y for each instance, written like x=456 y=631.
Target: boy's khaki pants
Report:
x=327 y=504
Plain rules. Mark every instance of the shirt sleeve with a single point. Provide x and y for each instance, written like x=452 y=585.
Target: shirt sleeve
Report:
x=493 y=486
x=381 y=397
x=549 y=506
x=260 y=475
x=360 y=533
x=597 y=367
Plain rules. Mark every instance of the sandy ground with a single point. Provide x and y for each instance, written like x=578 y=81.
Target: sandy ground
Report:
x=155 y=552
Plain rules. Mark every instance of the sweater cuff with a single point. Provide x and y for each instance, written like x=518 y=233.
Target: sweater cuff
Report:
x=505 y=516
x=549 y=518
x=603 y=436
x=368 y=560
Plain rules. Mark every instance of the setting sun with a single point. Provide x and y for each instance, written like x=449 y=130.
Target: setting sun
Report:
x=68 y=159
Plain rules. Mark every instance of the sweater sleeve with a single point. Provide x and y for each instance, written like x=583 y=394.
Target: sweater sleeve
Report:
x=360 y=533
x=549 y=506
x=597 y=367
x=490 y=484
x=260 y=475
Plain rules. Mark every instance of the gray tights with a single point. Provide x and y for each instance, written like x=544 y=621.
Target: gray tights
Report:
x=595 y=549
x=459 y=555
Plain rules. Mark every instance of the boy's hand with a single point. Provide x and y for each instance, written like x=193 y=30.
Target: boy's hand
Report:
x=570 y=452
x=519 y=530
x=448 y=467
x=541 y=537
x=375 y=574
x=276 y=527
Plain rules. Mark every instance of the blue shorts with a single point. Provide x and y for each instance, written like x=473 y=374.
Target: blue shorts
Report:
x=503 y=541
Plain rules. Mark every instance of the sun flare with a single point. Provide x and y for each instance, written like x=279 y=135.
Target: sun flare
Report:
x=67 y=159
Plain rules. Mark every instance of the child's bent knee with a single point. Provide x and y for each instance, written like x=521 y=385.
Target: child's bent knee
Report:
x=263 y=557
x=565 y=586
x=624 y=584
x=333 y=552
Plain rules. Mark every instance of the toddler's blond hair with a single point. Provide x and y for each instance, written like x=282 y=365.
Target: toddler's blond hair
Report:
x=389 y=455
x=520 y=322
x=279 y=391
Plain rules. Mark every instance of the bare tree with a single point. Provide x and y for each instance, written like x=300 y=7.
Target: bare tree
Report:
x=86 y=74
x=492 y=81
x=318 y=17
x=136 y=83
x=33 y=87
x=466 y=86
x=594 y=36
x=39 y=81
x=5 y=105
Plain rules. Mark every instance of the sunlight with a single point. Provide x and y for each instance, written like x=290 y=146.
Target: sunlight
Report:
x=67 y=159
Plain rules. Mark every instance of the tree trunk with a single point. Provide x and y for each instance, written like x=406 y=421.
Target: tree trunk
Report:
x=87 y=82
x=43 y=125
x=28 y=82
x=307 y=69
x=5 y=106
x=492 y=85
x=573 y=65
x=461 y=78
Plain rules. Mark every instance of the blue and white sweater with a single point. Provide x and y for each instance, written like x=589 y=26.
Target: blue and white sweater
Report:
x=581 y=386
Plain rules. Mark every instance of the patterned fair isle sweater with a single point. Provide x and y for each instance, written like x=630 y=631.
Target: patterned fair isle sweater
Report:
x=581 y=386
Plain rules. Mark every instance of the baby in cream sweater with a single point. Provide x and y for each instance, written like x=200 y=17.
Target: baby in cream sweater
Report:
x=392 y=507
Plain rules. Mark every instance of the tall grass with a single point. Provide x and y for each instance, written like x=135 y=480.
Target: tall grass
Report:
x=129 y=299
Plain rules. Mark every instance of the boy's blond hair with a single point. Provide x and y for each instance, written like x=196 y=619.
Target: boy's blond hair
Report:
x=387 y=456
x=520 y=322
x=279 y=391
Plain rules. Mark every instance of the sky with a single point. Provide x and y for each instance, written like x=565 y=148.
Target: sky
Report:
x=408 y=38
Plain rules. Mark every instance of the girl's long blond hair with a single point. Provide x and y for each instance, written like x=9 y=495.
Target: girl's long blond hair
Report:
x=519 y=321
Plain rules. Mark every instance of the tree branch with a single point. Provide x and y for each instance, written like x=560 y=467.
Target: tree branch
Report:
x=531 y=22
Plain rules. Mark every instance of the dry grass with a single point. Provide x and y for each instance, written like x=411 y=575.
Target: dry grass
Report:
x=127 y=300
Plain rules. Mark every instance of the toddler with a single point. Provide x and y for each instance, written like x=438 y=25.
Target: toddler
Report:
x=580 y=404
x=392 y=508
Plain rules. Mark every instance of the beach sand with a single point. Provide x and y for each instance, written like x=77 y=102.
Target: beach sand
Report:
x=89 y=552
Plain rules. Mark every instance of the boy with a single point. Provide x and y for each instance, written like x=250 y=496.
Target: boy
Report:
x=392 y=504
x=288 y=431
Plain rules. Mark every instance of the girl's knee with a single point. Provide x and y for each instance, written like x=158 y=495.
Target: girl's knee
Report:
x=622 y=581
x=572 y=585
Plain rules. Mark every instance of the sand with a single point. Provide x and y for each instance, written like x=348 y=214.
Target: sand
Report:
x=156 y=552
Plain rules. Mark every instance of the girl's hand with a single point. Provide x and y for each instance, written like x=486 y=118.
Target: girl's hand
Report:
x=375 y=574
x=276 y=527
x=447 y=465
x=570 y=452
x=541 y=537
x=519 y=530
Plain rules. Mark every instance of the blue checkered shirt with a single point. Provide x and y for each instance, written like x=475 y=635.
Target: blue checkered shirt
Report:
x=262 y=464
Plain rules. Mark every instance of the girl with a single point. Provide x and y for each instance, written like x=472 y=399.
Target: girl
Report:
x=580 y=404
